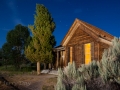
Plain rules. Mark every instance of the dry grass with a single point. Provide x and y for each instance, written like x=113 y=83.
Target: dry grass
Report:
x=28 y=82
x=49 y=84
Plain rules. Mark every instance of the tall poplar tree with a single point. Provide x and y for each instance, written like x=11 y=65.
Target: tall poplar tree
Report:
x=40 y=48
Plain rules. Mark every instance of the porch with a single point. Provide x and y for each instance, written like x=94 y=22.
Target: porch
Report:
x=59 y=57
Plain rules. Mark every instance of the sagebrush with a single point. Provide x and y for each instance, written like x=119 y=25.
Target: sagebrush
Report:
x=103 y=75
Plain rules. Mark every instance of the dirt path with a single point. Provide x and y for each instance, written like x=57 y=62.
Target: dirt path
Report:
x=32 y=82
x=38 y=85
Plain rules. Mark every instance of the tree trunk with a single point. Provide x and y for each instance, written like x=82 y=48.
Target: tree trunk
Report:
x=38 y=68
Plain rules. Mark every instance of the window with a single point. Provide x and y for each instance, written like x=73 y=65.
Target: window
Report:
x=87 y=53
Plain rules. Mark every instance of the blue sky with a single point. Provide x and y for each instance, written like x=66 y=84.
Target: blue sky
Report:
x=104 y=14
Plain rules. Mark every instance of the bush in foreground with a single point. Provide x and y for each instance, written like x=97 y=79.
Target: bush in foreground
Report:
x=103 y=75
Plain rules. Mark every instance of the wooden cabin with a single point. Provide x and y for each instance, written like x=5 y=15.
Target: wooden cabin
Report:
x=82 y=44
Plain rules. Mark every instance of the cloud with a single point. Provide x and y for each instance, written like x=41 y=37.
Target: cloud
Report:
x=76 y=11
x=4 y=29
x=11 y=5
x=15 y=14
x=18 y=21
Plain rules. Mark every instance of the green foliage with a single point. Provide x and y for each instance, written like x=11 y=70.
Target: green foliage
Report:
x=12 y=50
x=0 y=52
x=10 y=68
x=40 y=49
x=18 y=36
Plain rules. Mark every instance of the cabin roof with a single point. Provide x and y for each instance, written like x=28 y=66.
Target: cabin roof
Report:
x=98 y=34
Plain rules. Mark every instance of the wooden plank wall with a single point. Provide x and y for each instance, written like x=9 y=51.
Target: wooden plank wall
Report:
x=77 y=43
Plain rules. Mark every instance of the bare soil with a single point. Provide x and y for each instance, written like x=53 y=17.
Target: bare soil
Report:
x=29 y=82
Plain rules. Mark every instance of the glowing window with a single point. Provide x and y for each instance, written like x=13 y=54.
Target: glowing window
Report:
x=87 y=53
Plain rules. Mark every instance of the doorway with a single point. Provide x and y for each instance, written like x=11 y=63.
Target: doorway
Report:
x=87 y=53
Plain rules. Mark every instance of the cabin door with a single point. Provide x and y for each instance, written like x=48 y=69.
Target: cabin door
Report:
x=87 y=53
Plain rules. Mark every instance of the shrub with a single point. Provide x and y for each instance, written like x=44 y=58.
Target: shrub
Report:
x=90 y=71
x=70 y=79
x=109 y=66
x=103 y=75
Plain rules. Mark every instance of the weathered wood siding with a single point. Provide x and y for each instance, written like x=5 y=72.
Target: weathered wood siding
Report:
x=102 y=47
x=77 y=43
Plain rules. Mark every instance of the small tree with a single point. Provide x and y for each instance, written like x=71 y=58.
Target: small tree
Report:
x=6 y=54
x=40 y=48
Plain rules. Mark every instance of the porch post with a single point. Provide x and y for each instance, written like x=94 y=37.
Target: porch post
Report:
x=57 y=59
x=63 y=58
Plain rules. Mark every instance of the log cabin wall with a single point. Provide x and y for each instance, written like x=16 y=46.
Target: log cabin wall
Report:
x=67 y=56
x=102 y=47
x=77 y=38
x=96 y=50
x=77 y=43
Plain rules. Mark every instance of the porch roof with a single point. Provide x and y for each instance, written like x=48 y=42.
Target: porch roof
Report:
x=59 y=48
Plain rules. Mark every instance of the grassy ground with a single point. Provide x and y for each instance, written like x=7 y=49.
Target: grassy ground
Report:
x=10 y=71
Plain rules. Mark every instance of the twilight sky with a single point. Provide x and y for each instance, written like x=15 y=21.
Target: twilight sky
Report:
x=104 y=14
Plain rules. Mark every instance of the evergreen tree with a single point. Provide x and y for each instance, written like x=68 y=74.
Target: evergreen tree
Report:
x=40 y=48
